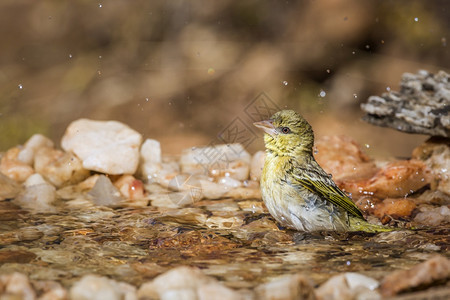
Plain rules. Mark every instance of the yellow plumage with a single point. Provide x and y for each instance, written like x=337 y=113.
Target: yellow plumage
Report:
x=297 y=192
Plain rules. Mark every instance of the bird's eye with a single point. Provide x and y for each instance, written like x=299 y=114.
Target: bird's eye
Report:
x=285 y=130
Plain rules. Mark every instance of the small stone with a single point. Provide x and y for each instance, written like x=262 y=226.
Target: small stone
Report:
x=12 y=167
x=16 y=256
x=88 y=183
x=104 y=193
x=424 y=274
x=396 y=179
x=38 y=195
x=434 y=216
x=94 y=287
x=224 y=220
x=34 y=143
x=433 y=197
x=50 y=290
x=213 y=190
x=399 y=208
x=8 y=187
x=131 y=188
x=435 y=152
x=150 y=159
x=58 y=167
x=348 y=286
x=217 y=161
x=186 y=283
x=290 y=287
x=104 y=146
x=256 y=165
x=16 y=286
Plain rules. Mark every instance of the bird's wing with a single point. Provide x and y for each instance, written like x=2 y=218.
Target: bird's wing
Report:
x=321 y=184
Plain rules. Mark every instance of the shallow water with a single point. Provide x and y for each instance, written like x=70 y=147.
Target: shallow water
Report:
x=235 y=241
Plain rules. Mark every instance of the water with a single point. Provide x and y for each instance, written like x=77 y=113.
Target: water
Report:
x=245 y=246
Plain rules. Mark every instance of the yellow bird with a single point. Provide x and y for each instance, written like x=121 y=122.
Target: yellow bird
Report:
x=297 y=192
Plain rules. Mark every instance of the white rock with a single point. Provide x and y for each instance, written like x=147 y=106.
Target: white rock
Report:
x=105 y=146
x=257 y=165
x=34 y=143
x=356 y=280
x=38 y=195
x=151 y=163
x=34 y=179
x=94 y=287
x=288 y=287
x=229 y=182
x=220 y=160
x=186 y=283
x=16 y=286
x=213 y=190
x=348 y=286
x=217 y=291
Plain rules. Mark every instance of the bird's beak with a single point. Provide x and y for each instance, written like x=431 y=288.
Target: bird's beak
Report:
x=267 y=126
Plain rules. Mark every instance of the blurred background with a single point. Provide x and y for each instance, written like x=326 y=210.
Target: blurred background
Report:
x=186 y=72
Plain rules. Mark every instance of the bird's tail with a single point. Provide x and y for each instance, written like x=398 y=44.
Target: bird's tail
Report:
x=357 y=224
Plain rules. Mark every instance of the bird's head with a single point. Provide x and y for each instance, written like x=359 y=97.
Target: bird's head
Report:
x=287 y=133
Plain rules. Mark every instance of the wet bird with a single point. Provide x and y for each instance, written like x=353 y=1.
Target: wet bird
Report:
x=297 y=192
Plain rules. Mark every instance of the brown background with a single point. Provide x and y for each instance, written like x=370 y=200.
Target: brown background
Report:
x=183 y=71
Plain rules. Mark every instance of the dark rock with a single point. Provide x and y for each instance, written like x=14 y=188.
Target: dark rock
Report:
x=422 y=105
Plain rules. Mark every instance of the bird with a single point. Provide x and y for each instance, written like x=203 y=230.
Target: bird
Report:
x=297 y=192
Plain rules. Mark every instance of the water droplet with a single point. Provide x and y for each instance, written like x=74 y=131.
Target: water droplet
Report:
x=20 y=86
x=285 y=82
x=353 y=52
x=367 y=146
x=146 y=99
x=355 y=96
x=388 y=88
x=100 y=5
x=328 y=71
x=367 y=46
x=99 y=57
x=416 y=19
x=322 y=93
x=348 y=263
x=70 y=55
